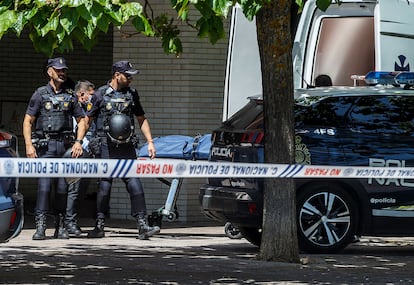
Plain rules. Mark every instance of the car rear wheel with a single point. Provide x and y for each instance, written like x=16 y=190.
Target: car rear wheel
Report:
x=327 y=218
x=253 y=235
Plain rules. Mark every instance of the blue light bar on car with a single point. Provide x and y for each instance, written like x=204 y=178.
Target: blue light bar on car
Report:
x=405 y=78
x=380 y=77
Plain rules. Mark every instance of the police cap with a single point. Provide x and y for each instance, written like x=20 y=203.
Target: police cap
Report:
x=57 y=63
x=123 y=66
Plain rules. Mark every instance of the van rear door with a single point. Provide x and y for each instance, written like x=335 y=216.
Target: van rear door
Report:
x=395 y=35
x=338 y=42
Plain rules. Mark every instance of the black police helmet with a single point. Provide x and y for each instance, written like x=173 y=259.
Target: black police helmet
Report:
x=120 y=128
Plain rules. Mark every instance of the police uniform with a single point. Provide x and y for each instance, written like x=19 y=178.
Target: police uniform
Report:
x=108 y=103
x=75 y=184
x=53 y=127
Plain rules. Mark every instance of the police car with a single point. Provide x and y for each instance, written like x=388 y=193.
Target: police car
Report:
x=346 y=126
x=11 y=201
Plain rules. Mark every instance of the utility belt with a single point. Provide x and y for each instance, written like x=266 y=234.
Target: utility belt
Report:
x=41 y=139
x=65 y=137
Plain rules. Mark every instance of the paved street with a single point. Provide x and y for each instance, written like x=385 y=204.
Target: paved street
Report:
x=197 y=255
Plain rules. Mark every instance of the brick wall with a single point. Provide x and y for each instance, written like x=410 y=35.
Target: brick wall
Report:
x=181 y=96
x=21 y=72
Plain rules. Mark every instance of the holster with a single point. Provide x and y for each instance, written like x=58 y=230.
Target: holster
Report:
x=95 y=146
x=39 y=141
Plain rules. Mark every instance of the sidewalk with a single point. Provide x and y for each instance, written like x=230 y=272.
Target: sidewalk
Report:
x=193 y=255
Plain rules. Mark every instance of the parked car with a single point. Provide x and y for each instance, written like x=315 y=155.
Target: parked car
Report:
x=346 y=126
x=11 y=201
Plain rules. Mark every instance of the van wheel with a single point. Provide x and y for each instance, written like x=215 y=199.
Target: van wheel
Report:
x=327 y=218
x=252 y=235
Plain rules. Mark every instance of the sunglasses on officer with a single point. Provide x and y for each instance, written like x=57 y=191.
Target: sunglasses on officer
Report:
x=127 y=76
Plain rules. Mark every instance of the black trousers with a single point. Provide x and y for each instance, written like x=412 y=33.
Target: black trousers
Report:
x=73 y=197
x=133 y=185
x=54 y=149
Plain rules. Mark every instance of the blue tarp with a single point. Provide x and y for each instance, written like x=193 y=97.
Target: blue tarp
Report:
x=180 y=147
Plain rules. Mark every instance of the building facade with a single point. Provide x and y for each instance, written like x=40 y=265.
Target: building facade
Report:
x=181 y=96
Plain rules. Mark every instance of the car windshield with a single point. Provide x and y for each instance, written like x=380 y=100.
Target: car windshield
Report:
x=247 y=117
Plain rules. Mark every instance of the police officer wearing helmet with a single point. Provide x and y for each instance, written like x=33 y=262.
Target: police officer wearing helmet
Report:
x=49 y=114
x=114 y=109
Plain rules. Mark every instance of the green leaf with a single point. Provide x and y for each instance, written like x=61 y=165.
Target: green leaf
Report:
x=183 y=10
x=51 y=25
x=5 y=5
x=74 y=3
x=88 y=44
x=26 y=2
x=103 y=3
x=45 y=45
x=142 y=25
x=7 y=19
x=323 y=4
x=203 y=28
x=115 y=15
x=103 y=24
x=84 y=12
x=301 y=4
x=41 y=3
x=60 y=34
x=22 y=19
x=129 y=10
x=250 y=8
x=65 y=45
x=221 y=7
x=69 y=19
x=89 y=29
x=171 y=45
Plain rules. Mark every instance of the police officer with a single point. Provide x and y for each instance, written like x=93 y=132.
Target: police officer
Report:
x=84 y=90
x=49 y=112
x=114 y=107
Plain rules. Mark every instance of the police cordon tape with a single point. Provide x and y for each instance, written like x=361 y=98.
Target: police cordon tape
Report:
x=176 y=168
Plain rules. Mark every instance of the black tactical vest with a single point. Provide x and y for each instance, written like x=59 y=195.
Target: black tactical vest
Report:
x=113 y=102
x=55 y=113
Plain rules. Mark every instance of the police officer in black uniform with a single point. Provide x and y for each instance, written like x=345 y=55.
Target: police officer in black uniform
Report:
x=114 y=107
x=84 y=90
x=50 y=111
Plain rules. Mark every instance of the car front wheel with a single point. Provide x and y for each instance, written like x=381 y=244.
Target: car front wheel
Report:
x=327 y=218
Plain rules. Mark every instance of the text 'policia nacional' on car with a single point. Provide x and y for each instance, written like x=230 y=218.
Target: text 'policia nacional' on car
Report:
x=345 y=126
x=11 y=201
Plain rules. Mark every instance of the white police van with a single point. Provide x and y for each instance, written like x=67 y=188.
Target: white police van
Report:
x=354 y=37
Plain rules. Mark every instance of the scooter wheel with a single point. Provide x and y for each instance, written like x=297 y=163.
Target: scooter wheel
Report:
x=172 y=217
x=232 y=231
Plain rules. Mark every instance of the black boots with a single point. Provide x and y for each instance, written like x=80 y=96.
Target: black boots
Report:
x=60 y=230
x=98 y=231
x=144 y=230
x=73 y=229
x=40 y=233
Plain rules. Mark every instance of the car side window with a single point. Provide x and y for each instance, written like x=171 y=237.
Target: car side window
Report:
x=392 y=114
x=330 y=112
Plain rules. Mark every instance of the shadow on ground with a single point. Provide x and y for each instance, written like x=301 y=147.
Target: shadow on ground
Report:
x=199 y=256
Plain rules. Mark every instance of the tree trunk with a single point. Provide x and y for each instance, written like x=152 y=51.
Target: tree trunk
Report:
x=279 y=236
